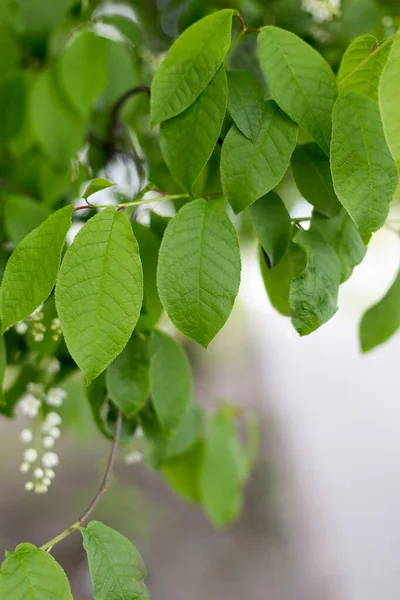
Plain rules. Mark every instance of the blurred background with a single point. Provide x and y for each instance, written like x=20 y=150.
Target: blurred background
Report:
x=321 y=514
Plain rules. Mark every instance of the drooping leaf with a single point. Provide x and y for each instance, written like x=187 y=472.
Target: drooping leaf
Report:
x=116 y=567
x=128 y=376
x=96 y=185
x=342 y=235
x=271 y=222
x=187 y=140
x=251 y=169
x=362 y=65
x=191 y=63
x=363 y=169
x=300 y=81
x=149 y=246
x=32 y=573
x=99 y=291
x=199 y=269
x=277 y=279
x=188 y=432
x=123 y=72
x=171 y=380
x=183 y=472
x=382 y=320
x=3 y=364
x=32 y=268
x=312 y=174
x=389 y=92
x=57 y=128
x=224 y=469
x=83 y=70
x=245 y=102
x=21 y=216
x=313 y=293
x=154 y=437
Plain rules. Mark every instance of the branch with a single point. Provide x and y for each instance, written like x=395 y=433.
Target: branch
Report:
x=102 y=489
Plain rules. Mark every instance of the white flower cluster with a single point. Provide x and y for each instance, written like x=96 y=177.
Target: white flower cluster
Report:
x=322 y=10
x=38 y=457
x=56 y=329
x=38 y=328
x=135 y=456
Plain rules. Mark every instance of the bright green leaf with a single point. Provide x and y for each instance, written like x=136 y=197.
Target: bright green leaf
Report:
x=21 y=216
x=363 y=169
x=57 y=128
x=224 y=469
x=389 y=94
x=382 y=320
x=32 y=573
x=251 y=169
x=245 y=102
x=362 y=65
x=83 y=70
x=271 y=222
x=96 y=185
x=190 y=64
x=99 y=291
x=300 y=81
x=116 y=567
x=341 y=234
x=32 y=268
x=187 y=140
x=313 y=293
x=171 y=380
x=128 y=376
x=312 y=174
x=199 y=269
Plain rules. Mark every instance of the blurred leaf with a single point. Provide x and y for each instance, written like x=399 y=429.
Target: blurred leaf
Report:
x=21 y=216
x=183 y=472
x=188 y=432
x=96 y=185
x=13 y=92
x=271 y=222
x=40 y=16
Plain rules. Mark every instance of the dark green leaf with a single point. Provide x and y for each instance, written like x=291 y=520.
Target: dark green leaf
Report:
x=188 y=432
x=271 y=222
x=183 y=472
x=13 y=93
x=245 y=102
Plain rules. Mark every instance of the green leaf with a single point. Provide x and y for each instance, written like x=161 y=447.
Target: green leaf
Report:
x=363 y=169
x=183 y=473
x=313 y=293
x=21 y=216
x=188 y=140
x=171 y=380
x=300 y=80
x=154 y=437
x=224 y=469
x=341 y=234
x=382 y=320
x=32 y=268
x=57 y=128
x=188 y=432
x=271 y=222
x=123 y=72
x=3 y=364
x=277 y=279
x=149 y=246
x=13 y=93
x=199 y=269
x=116 y=567
x=389 y=93
x=83 y=70
x=41 y=16
x=312 y=174
x=128 y=376
x=251 y=169
x=99 y=291
x=32 y=573
x=190 y=65
x=362 y=65
x=245 y=102
x=96 y=185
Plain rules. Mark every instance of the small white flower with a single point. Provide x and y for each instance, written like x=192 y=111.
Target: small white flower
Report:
x=49 y=473
x=24 y=468
x=55 y=433
x=30 y=405
x=48 y=442
x=55 y=396
x=50 y=460
x=29 y=486
x=53 y=419
x=37 y=314
x=21 y=328
x=38 y=337
x=35 y=388
x=47 y=481
x=39 y=473
x=133 y=458
x=55 y=324
x=26 y=436
x=30 y=455
x=139 y=433
x=41 y=488
x=53 y=366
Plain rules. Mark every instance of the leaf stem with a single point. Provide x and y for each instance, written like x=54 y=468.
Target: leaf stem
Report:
x=102 y=490
x=134 y=202
x=300 y=219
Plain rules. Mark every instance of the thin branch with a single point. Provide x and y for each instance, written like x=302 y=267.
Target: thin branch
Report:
x=300 y=219
x=106 y=479
x=135 y=202
x=242 y=23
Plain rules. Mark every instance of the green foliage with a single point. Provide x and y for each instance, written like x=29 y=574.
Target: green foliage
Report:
x=271 y=222
x=245 y=102
x=116 y=566
x=389 y=91
x=96 y=185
